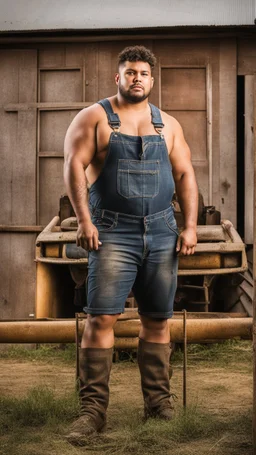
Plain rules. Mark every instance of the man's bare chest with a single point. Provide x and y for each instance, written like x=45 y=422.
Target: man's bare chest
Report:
x=127 y=128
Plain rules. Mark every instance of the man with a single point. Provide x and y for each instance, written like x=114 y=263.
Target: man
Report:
x=130 y=154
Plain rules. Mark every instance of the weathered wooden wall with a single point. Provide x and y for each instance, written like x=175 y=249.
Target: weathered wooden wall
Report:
x=195 y=81
x=18 y=76
x=247 y=67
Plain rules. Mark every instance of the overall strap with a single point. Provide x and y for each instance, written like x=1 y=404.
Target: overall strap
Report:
x=156 y=119
x=113 y=119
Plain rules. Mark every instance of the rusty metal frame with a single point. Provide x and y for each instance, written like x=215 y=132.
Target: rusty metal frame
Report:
x=227 y=240
x=184 y=358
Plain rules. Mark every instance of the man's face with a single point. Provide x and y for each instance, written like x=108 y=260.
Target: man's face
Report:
x=134 y=81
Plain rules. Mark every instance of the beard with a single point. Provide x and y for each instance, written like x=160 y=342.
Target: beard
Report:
x=133 y=98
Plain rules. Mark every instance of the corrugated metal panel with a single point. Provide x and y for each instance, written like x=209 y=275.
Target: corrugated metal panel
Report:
x=99 y=14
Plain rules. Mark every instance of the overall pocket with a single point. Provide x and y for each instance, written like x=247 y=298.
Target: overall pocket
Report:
x=138 y=178
x=171 y=223
x=104 y=223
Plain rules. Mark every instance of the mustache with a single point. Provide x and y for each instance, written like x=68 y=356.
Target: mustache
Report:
x=136 y=85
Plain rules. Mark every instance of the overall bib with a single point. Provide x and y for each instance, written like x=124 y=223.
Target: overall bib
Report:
x=130 y=204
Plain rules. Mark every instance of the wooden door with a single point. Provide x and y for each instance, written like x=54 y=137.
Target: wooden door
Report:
x=185 y=94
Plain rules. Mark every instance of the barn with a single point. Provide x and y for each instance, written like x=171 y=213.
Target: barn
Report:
x=58 y=59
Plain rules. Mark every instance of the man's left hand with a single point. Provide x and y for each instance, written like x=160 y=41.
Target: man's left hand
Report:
x=186 y=242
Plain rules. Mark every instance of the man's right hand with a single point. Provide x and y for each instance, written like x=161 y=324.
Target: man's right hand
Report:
x=87 y=236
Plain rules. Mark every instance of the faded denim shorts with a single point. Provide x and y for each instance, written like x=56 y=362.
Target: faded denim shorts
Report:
x=137 y=253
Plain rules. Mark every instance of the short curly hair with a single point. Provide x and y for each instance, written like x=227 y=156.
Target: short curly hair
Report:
x=137 y=54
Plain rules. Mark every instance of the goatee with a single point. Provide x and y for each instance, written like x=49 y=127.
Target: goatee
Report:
x=132 y=98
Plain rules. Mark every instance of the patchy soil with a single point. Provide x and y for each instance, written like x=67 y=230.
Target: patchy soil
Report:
x=221 y=390
x=214 y=388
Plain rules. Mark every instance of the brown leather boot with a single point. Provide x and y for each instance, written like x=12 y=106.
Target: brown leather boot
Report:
x=153 y=361
x=94 y=371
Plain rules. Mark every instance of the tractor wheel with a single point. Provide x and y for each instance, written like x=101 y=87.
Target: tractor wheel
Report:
x=235 y=291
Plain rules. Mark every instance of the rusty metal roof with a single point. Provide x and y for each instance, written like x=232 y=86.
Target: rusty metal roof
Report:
x=39 y=15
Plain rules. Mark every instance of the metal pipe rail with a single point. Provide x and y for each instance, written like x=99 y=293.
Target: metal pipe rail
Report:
x=126 y=331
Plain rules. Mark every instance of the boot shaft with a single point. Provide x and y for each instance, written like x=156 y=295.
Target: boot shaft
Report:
x=153 y=361
x=94 y=372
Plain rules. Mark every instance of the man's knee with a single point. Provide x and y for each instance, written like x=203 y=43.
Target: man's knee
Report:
x=154 y=324
x=101 y=322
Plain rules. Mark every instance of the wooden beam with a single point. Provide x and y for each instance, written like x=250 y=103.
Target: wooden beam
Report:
x=45 y=106
x=248 y=159
x=227 y=130
x=254 y=278
x=17 y=229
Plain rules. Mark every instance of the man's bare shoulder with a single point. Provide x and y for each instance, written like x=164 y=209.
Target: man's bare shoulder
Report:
x=89 y=116
x=171 y=124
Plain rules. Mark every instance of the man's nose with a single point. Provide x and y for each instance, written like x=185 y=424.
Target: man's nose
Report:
x=137 y=77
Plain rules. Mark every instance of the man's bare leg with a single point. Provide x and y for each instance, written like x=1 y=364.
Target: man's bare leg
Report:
x=98 y=331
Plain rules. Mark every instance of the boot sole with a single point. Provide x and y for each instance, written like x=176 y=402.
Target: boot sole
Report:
x=81 y=440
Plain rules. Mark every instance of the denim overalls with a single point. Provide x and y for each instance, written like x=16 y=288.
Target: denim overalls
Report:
x=130 y=205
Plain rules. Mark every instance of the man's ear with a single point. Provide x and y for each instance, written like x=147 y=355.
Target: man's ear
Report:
x=152 y=81
x=117 y=78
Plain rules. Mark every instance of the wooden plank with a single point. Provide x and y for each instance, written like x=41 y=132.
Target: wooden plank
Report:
x=246 y=56
x=17 y=259
x=106 y=83
x=209 y=144
x=23 y=170
x=184 y=52
x=9 y=124
x=24 y=162
x=50 y=154
x=187 y=33
x=51 y=55
x=215 y=123
x=227 y=131
x=16 y=228
x=248 y=159
x=18 y=81
x=53 y=127
x=91 y=72
x=74 y=55
x=45 y=106
x=183 y=88
x=61 y=85
x=27 y=76
x=9 y=76
x=194 y=127
x=254 y=272
x=50 y=189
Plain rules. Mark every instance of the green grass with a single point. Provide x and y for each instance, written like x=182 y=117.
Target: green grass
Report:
x=65 y=353
x=39 y=407
x=37 y=423
x=222 y=354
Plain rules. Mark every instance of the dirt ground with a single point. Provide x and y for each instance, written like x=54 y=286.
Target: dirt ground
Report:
x=217 y=388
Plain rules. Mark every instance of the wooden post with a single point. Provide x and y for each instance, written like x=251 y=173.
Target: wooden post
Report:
x=254 y=280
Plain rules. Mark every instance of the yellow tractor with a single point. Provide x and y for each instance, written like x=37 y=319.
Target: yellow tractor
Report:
x=205 y=280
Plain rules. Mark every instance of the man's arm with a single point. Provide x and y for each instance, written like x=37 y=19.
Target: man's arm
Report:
x=186 y=189
x=79 y=150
